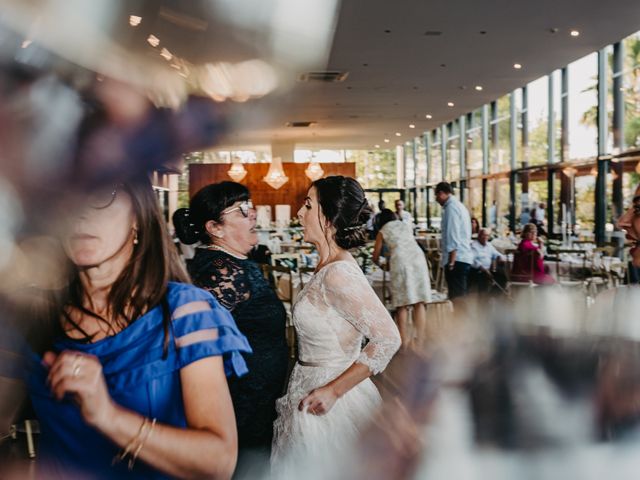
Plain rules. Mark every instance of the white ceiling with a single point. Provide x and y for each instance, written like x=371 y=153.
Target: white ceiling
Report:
x=409 y=74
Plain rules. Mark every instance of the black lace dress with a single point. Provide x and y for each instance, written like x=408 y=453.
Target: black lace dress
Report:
x=240 y=287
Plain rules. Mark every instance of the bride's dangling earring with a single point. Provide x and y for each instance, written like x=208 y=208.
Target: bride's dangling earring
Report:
x=135 y=236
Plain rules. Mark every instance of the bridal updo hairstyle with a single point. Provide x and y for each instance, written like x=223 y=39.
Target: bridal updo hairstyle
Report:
x=344 y=205
x=207 y=204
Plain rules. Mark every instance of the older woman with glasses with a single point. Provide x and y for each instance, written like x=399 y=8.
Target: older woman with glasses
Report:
x=222 y=218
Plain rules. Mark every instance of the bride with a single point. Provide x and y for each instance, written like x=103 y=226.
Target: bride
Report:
x=330 y=394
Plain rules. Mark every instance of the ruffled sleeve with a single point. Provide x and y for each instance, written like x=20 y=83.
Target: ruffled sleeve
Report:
x=202 y=328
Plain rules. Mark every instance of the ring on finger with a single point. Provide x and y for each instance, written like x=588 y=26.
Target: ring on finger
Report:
x=76 y=368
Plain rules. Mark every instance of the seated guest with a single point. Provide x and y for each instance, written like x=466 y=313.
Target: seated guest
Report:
x=528 y=261
x=475 y=227
x=483 y=271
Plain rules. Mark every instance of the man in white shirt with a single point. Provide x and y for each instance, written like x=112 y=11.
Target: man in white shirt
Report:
x=402 y=213
x=484 y=272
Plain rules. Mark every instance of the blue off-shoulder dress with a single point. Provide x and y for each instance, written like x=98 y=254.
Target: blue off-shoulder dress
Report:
x=138 y=378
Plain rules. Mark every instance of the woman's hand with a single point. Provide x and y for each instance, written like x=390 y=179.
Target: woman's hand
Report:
x=81 y=376
x=319 y=401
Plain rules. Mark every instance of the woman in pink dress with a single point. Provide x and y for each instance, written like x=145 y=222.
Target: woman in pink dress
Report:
x=528 y=261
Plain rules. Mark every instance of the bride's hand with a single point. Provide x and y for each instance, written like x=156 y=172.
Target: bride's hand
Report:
x=319 y=401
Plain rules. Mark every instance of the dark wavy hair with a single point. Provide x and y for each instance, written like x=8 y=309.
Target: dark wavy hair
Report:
x=206 y=205
x=345 y=206
x=142 y=284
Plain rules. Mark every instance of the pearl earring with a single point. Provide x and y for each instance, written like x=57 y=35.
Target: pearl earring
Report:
x=135 y=237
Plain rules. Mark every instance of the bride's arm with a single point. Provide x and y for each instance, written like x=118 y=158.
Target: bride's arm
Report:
x=348 y=291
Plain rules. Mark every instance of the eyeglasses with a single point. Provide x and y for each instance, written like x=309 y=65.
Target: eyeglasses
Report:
x=244 y=208
x=104 y=197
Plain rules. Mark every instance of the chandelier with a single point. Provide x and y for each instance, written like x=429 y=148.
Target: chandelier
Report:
x=237 y=171
x=314 y=171
x=275 y=176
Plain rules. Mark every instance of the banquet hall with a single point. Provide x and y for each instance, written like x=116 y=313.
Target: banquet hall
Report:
x=501 y=138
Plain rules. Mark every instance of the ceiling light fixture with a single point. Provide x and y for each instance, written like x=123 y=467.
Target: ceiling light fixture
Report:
x=134 y=20
x=275 y=176
x=479 y=88
x=377 y=146
x=450 y=104
x=428 y=117
x=237 y=171
x=386 y=140
x=517 y=66
x=398 y=134
x=575 y=33
x=314 y=171
x=153 y=40
x=411 y=125
x=166 y=54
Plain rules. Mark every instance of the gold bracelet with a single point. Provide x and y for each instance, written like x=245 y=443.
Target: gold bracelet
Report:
x=132 y=459
x=127 y=449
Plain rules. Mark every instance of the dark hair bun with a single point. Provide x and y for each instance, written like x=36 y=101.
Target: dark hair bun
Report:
x=185 y=229
x=344 y=204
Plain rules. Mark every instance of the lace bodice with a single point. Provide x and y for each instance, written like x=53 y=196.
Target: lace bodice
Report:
x=335 y=312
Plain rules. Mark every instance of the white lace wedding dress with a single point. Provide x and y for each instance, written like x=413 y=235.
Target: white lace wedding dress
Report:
x=332 y=315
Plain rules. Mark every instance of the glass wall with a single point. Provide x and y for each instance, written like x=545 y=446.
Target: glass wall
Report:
x=500 y=146
x=473 y=148
x=538 y=120
x=631 y=89
x=557 y=116
x=435 y=172
x=421 y=161
x=409 y=165
x=453 y=151
x=583 y=108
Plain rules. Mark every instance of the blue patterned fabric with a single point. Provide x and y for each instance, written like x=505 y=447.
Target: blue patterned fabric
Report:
x=138 y=378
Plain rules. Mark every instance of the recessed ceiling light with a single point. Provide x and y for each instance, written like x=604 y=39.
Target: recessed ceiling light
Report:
x=575 y=33
x=450 y=104
x=398 y=134
x=428 y=117
x=386 y=140
x=377 y=146
x=166 y=54
x=134 y=20
x=517 y=66
x=153 y=40
x=411 y=125
x=479 y=88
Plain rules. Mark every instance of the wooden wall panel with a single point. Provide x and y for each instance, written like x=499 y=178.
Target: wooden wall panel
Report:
x=291 y=193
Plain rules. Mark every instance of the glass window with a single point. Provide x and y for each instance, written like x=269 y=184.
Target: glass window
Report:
x=409 y=165
x=435 y=168
x=518 y=98
x=474 y=151
x=583 y=108
x=374 y=169
x=499 y=148
x=538 y=110
x=421 y=161
x=585 y=192
x=631 y=89
x=453 y=152
x=557 y=115
x=474 y=198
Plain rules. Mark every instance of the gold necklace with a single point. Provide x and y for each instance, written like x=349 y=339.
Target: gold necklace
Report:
x=220 y=249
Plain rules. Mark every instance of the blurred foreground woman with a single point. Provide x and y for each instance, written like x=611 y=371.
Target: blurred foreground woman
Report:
x=132 y=380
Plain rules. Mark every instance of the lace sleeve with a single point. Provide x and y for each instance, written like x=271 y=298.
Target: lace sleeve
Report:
x=348 y=291
x=227 y=281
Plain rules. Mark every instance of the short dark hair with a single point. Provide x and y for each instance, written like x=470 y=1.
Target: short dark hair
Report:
x=381 y=205
x=444 y=187
x=207 y=204
x=387 y=216
x=345 y=206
